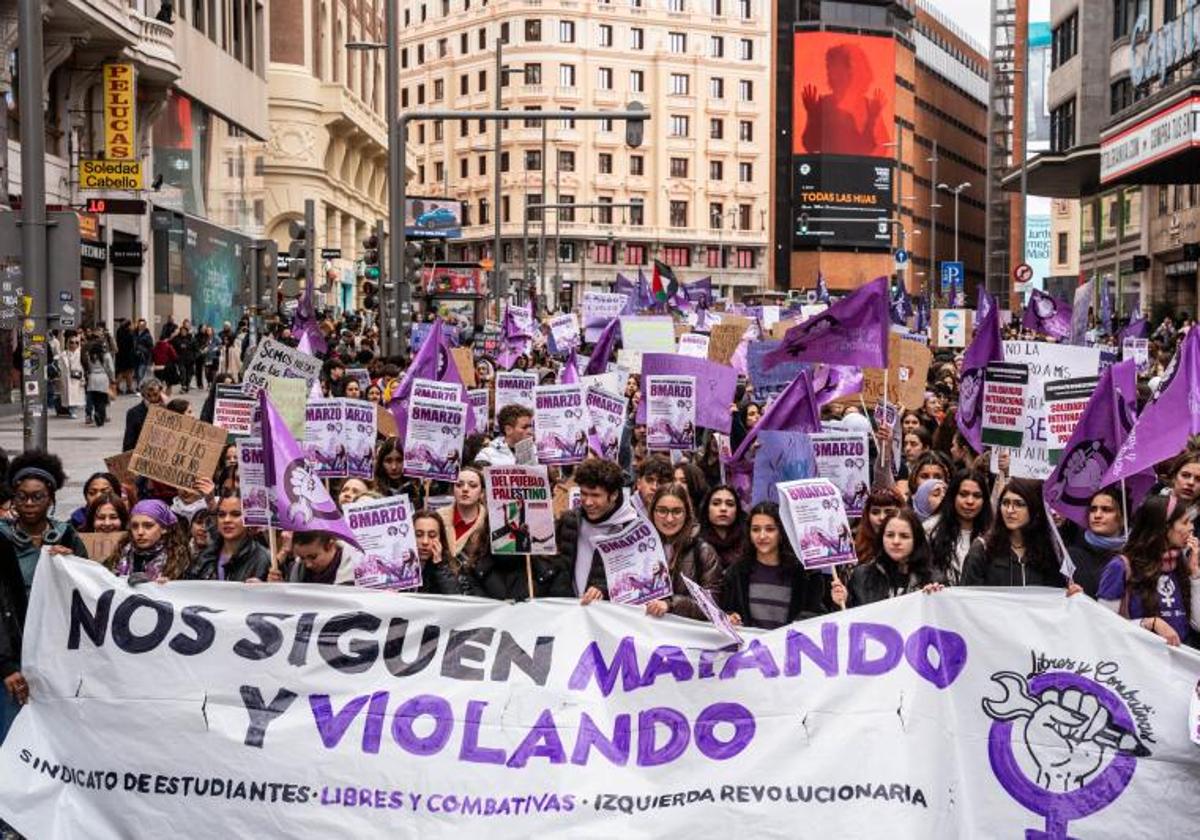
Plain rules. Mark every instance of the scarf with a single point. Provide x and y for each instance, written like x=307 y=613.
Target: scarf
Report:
x=589 y=532
x=1111 y=544
x=150 y=562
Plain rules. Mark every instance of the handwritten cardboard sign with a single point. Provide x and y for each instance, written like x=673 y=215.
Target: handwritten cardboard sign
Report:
x=118 y=465
x=908 y=369
x=100 y=546
x=464 y=360
x=175 y=449
x=274 y=358
x=725 y=337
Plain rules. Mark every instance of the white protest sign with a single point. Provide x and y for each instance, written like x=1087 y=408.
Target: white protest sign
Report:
x=842 y=458
x=433 y=440
x=693 y=344
x=520 y=509
x=324 y=438
x=252 y=482
x=514 y=388
x=815 y=521
x=233 y=411
x=430 y=389
x=1137 y=349
x=670 y=412
x=598 y=309
x=560 y=424
x=1065 y=400
x=275 y=359
x=648 y=333
x=384 y=529
x=480 y=401
x=635 y=565
x=606 y=413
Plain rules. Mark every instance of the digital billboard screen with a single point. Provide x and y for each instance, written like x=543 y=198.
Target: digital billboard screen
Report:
x=843 y=130
x=432 y=218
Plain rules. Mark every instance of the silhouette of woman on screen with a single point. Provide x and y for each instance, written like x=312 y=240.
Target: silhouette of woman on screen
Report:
x=845 y=121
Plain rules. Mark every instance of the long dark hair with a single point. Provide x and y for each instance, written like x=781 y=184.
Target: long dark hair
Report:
x=381 y=477
x=865 y=538
x=740 y=521
x=943 y=539
x=695 y=482
x=920 y=562
x=787 y=554
x=443 y=536
x=1039 y=551
x=100 y=501
x=686 y=535
x=1145 y=548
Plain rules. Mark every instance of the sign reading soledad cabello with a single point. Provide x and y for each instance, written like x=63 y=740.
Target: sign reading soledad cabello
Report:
x=323 y=712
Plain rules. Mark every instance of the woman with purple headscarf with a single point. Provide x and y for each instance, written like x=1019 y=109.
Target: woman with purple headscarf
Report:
x=156 y=547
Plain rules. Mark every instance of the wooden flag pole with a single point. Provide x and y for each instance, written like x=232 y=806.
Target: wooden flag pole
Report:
x=529 y=574
x=274 y=556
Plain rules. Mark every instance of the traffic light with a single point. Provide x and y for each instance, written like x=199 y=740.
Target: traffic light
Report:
x=371 y=257
x=803 y=224
x=634 y=129
x=414 y=262
x=298 y=249
x=370 y=293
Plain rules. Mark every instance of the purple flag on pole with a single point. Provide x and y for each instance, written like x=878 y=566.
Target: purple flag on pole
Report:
x=716 y=383
x=852 y=332
x=986 y=347
x=1139 y=328
x=299 y=500
x=433 y=361
x=570 y=371
x=1046 y=315
x=1102 y=428
x=832 y=382
x=514 y=341
x=598 y=361
x=1168 y=420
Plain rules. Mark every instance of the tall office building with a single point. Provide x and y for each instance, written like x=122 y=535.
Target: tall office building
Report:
x=698 y=184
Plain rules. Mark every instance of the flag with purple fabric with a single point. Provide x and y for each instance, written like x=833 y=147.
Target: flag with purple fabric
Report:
x=644 y=295
x=986 y=347
x=1168 y=420
x=514 y=341
x=603 y=349
x=1138 y=328
x=299 y=500
x=569 y=375
x=433 y=361
x=699 y=293
x=1106 y=309
x=1046 y=315
x=1104 y=425
x=853 y=332
x=832 y=382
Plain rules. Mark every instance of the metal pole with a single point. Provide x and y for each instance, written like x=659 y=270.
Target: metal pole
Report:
x=1024 y=147
x=956 y=192
x=934 y=277
x=542 y=228
x=399 y=242
x=397 y=165
x=311 y=257
x=900 y=200
x=34 y=259
x=497 y=289
x=1120 y=214
x=525 y=249
x=557 y=232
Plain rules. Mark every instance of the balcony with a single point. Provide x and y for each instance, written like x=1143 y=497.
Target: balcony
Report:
x=345 y=113
x=605 y=96
x=718 y=106
x=570 y=92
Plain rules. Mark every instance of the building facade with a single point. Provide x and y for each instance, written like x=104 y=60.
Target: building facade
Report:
x=844 y=203
x=697 y=185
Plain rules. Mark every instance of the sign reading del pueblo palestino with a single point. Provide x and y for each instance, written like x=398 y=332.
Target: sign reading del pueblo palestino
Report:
x=194 y=710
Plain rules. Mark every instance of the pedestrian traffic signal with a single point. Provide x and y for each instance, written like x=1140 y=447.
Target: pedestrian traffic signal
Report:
x=414 y=262
x=298 y=249
x=634 y=129
x=370 y=293
x=371 y=256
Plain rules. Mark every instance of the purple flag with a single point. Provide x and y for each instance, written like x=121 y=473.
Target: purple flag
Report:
x=986 y=347
x=570 y=371
x=832 y=382
x=598 y=361
x=852 y=332
x=1080 y=310
x=1104 y=425
x=299 y=500
x=645 y=297
x=627 y=287
x=514 y=341
x=715 y=383
x=1168 y=420
x=1046 y=315
x=433 y=361
x=699 y=293
x=795 y=410
x=1139 y=328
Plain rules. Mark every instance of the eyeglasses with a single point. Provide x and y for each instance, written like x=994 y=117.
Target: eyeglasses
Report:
x=30 y=498
x=670 y=513
x=1013 y=504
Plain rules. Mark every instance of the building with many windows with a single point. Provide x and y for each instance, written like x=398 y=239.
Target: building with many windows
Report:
x=696 y=189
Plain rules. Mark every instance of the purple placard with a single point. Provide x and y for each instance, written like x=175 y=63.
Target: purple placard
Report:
x=715 y=384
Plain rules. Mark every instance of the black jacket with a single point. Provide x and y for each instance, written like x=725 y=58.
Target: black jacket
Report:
x=251 y=560
x=1089 y=565
x=875 y=581
x=13 y=606
x=981 y=570
x=502 y=577
x=135 y=418
x=809 y=592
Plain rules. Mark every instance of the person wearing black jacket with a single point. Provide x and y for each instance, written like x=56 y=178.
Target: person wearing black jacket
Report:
x=13 y=606
x=135 y=418
x=603 y=511
x=902 y=563
x=1018 y=549
x=232 y=554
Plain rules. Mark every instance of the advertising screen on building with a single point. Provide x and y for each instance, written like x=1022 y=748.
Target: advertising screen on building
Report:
x=430 y=218
x=843 y=118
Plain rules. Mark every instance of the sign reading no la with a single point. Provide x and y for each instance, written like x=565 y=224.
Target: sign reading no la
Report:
x=110 y=175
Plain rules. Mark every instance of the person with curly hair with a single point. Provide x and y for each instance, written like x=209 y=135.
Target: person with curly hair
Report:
x=156 y=547
x=35 y=478
x=603 y=511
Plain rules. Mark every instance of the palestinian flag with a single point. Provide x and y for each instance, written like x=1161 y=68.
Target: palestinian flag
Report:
x=663 y=285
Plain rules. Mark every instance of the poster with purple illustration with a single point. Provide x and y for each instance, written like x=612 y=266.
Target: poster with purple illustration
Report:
x=384 y=529
x=480 y=401
x=816 y=524
x=842 y=457
x=780 y=456
x=712 y=611
x=252 y=479
x=635 y=564
x=359 y=429
x=324 y=443
x=671 y=412
x=560 y=424
x=514 y=388
x=564 y=333
x=606 y=412
x=434 y=440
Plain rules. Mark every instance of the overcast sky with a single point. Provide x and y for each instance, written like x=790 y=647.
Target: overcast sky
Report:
x=972 y=15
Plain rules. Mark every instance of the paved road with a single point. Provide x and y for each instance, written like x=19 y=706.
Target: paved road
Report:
x=82 y=448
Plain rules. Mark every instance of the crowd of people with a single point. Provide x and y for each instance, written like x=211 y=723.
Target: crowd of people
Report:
x=946 y=517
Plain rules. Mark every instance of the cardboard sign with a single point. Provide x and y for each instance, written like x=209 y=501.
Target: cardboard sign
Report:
x=464 y=360
x=177 y=450
x=100 y=546
x=385 y=422
x=1004 y=386
x=951 y=328
x=118 y=465
x=274 y=358
x=725 y=337
x=289 y=397
x=908 y=368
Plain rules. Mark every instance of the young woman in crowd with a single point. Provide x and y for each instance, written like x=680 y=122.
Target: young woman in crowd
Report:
x=724 y=525
x=200 y=533
x=107 y=514
x=156 y=547
x=389 y=474
x=688 y=555
x=965 y=516
x=233 y=554
x=902 y=563
x=375 y=394
x=927 y=500
x=1018 y=549
x=929 y=466
x=35 y=478
x=692 y=477
x=1156 y=579
x=768 y=587
x=467 y=515
x=1184 y=477
x=97 y=485
x=476 y=571
x=913 y=445
x=351 y=491
x=1102 y=540
x=880 y=505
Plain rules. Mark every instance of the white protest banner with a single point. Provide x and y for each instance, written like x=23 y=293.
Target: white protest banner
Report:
x=514 y=388
x=430 y=389
x=607 y=415
x=598 y=309
x=384 y=529
x=648 y=333
x=670 y=412
x=233 y=411
x=252 y=481
x=815 y=521
x=1065 y=400
x=629 y=360
x=635 y=565
x=480 y=401
x=614 y=381
x=1046 y=362
x=275 y=359
x=560 y=424
x=1004 y=385
x=694 y=344
x=842 y=457
x=1137 y=349
x=520 y=510
x=433 y=441
x=564 y=332
x=542 y=719
x=324 y=438
x=712 y=611
x=769 y=317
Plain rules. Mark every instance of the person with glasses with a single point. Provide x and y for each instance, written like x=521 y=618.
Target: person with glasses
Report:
x=1019 y=548
x=688 y=555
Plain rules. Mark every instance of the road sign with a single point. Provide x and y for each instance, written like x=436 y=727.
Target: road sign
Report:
x=1023 y=273
x=331 y=253
x=901 y=258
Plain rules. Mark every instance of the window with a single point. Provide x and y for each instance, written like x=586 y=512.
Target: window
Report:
x=635 y=254
x=445 y=8
x=637 y=38
x=482 y=38
x=463 y=127
x=437 y=131
x=1125 y=14
x=676 y=6
x=1177 y=197
x=1120 y=95
x=439 y=171
x=744 y=216
x=504 y=32
x=567 y=123
x=604 y=163
x=605 y=214
x=404 y=59
x=744 y=258
x=680 y=84
x=533 y=74
x=712 y=256
x=746 y=49
x=533 y=29
x=566 y=31
x=1064 y=41
x=679 y=126
x=420 y=54
x=404 y=98
x=464 y=43
x=716 y=46
x=1162 y=201
x=605 y=38
x=464 y=170
x=637 y=165
x=715 y=8
x=677 y=255
x=1062 y=126
x=677 y=42
x=567 y=214
x=746 y=90
x=679 y=167
x=439 y=90
x=566 y=161
x=606 y=125
x=637 y=213
x=605 y=253
x=716 y=170
x=504 y=209
x=637 y=81
x=504 y=161
x=1060 y=252
x=746 y=131
x=533 y=160
x=716 y=87
x=716 y=128
x=604 y=78
x=464 y=84
x=566 y=75
x=715 y=213
x=421 y=174
x=420 y=94
x=533 y=214
x=481 y=82
x=443 y=47
x=679 y=213
x=745 y=172
x=745 y=9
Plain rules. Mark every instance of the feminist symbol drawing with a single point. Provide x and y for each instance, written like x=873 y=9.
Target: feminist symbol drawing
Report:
x=1062 y=745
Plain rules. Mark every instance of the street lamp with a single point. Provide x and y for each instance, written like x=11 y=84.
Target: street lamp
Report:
x=955 y=191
